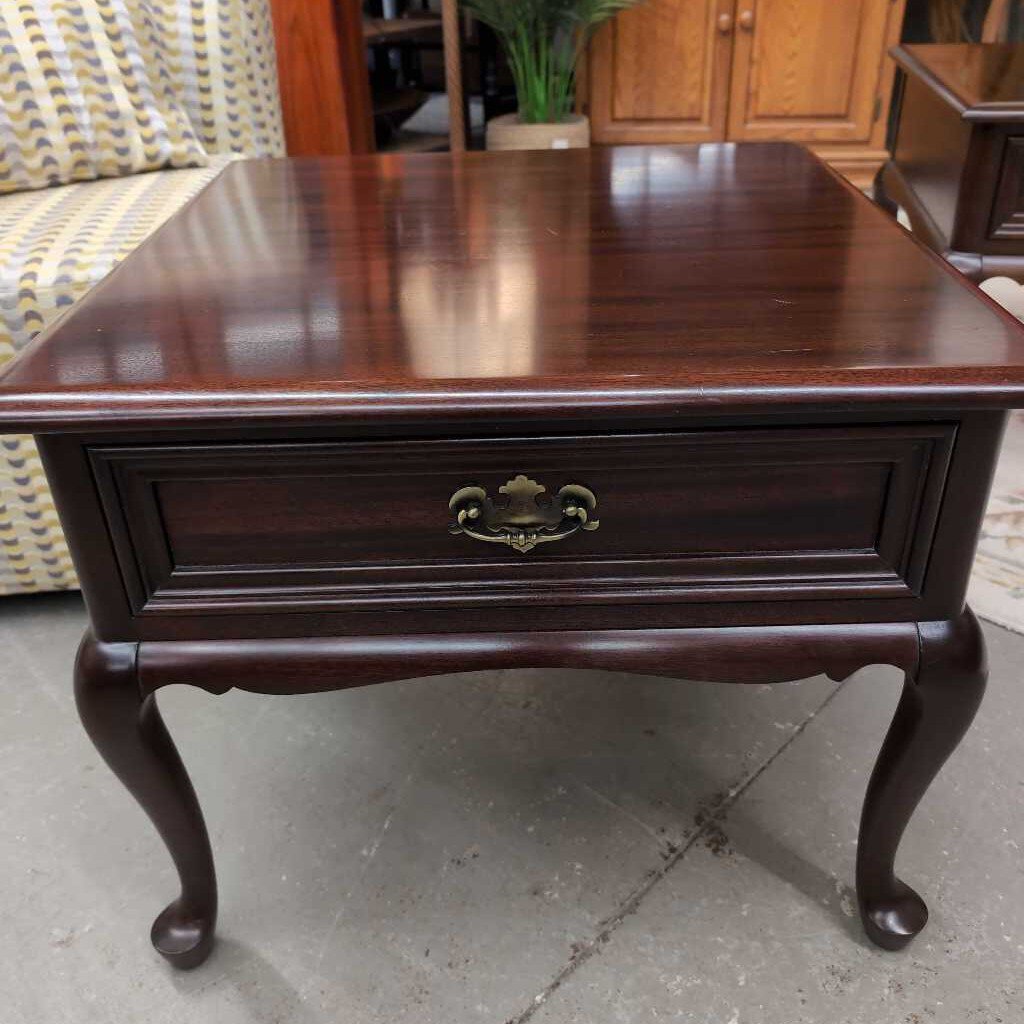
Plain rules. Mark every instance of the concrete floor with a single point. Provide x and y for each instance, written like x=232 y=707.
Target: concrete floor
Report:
x=506 y=847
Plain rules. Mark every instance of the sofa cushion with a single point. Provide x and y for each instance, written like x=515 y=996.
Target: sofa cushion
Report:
x=54 y=246
x=85 y=94
x=222 y=62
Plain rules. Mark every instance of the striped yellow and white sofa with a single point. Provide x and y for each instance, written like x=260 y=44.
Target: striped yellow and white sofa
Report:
x=56 y=243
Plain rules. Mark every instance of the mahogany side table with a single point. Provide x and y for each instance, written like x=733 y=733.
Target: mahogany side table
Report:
x=958 y=153
x=700 y=412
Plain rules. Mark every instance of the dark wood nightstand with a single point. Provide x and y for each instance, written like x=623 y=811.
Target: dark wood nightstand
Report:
x=699 y=412
x=958 y=154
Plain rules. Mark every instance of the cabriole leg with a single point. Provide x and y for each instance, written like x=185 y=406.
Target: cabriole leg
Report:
x=128 y=731
x=880 y=193
x=938 y=704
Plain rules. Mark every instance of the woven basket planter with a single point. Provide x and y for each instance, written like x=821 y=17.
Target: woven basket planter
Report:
x=508 y=132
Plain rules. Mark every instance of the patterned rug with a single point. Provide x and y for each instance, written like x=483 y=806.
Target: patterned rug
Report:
x=997 y=583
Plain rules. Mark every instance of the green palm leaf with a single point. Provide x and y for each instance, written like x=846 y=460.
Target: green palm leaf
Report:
x=543 y=40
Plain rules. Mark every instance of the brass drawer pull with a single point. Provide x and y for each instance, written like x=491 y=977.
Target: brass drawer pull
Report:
x=525 y=517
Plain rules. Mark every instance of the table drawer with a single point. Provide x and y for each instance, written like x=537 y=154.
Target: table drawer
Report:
x=708 y=516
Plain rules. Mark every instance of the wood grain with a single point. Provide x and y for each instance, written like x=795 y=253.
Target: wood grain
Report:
x=797 y=72
x=616 y=283
x=660 y=73
x=687 y=518
x=322 y=75
x=814 y=71
x=453 y=76
x=981 y=81
x=808 y=70
x=126 y=727
x=742 y=655
x=940 y=699
x=915 y=567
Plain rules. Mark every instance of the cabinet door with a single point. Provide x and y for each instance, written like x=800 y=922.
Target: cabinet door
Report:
x=660 y=72
x=808 y=70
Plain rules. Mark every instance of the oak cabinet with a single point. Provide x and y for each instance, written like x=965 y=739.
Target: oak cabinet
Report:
x=660 y=73
x=811 y=71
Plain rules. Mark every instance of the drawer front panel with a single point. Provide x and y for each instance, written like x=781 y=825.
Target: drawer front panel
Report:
x=707 y=516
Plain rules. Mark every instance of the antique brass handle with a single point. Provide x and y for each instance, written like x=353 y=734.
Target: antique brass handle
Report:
x=524 y=516
x=746 y=20
x=725 y=23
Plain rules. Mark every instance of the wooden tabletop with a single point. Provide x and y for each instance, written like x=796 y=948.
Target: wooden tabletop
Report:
x=673 y=280
x=984 y=81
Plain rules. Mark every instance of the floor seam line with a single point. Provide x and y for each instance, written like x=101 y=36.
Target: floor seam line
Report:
x=584 y=951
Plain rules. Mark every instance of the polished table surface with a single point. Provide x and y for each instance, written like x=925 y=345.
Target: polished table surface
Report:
x=688 y=277
x=983 y=80
x=700 y=412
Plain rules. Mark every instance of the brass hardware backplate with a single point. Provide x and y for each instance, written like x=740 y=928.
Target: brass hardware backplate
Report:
x=523 y=515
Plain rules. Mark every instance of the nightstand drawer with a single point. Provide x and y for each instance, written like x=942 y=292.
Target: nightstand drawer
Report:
x=709 y=516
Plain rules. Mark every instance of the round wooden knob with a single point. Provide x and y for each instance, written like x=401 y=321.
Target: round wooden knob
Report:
x=725 y=24
x=746 y=20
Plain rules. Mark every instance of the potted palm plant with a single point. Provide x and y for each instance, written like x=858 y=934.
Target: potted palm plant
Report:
x=543 y=41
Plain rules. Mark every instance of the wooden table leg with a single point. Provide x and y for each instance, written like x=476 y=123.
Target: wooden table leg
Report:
x=939 y=702
x=127 y=730
x=880 y=193
x=944 y=664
